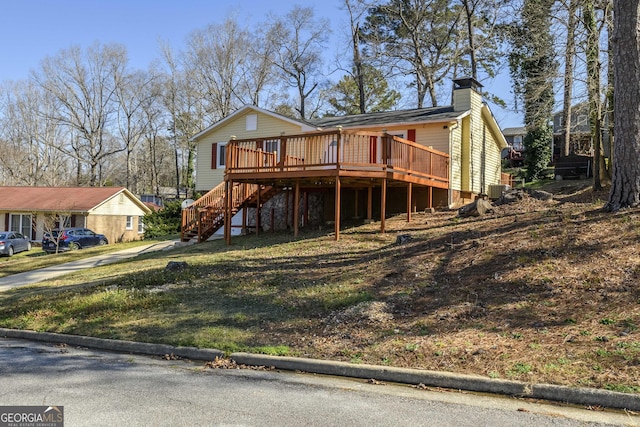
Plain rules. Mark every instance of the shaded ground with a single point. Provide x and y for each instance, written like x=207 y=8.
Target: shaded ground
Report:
x=537 y=291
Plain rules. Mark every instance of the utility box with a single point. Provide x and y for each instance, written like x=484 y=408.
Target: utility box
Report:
x=496 y=190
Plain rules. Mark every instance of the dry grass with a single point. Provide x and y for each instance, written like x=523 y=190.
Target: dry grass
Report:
x=538 y=291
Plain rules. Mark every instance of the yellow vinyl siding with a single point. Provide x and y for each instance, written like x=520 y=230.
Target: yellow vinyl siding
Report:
x=433 y=135
x=119 y=205
x=207 y=178
x=455 y=159
x=466 y=153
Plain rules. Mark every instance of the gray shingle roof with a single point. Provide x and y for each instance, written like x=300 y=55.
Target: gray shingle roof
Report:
x=418 y=115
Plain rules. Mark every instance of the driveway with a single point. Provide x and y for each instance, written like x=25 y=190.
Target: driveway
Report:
x=35 y=276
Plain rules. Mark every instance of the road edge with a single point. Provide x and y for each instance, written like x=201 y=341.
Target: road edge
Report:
x=550 y=392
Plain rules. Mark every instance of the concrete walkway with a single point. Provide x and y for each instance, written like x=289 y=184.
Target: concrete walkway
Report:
x=35 y=276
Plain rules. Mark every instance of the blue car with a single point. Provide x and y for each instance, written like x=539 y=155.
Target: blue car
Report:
x=70 y=239
x=12 y=242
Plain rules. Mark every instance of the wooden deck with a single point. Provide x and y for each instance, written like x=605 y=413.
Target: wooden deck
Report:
x=316 y=159
x=256 y=169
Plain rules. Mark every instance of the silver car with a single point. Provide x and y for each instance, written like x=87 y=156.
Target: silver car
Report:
x=12 y=242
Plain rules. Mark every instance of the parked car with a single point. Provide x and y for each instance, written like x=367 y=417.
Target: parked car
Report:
x=71 y=239
x=12 y=242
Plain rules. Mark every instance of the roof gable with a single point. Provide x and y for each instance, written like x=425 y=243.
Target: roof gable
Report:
x=305 y=127
x=60 y=199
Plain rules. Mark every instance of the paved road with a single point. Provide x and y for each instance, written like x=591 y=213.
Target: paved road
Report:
x=40 y=275
x=107 y=389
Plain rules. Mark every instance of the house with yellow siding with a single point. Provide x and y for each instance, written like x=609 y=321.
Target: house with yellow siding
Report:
x=112 y=211
x=364 y=166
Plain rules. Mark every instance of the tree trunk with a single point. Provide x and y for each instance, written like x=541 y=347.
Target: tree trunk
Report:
x=610 y=88
x=479 y=207
x=625 y=187
x=569 y=56
x=593 y=89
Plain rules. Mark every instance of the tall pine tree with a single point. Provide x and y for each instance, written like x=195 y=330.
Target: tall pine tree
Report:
x=625 y=186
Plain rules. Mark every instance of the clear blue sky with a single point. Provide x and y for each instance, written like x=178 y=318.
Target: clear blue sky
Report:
x=34 y=29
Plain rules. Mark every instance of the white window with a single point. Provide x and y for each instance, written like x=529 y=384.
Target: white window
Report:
x=252 y=122
x=222 y=153
x=140 y=225
x=517 y=142
x=582 y=120
x=20 y=224
x=129 y=222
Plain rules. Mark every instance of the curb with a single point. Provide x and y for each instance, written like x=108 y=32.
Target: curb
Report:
x=571 y=395
x=114 y=345
x=578 y=396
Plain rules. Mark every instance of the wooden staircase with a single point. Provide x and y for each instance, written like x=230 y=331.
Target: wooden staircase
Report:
x=206 y=215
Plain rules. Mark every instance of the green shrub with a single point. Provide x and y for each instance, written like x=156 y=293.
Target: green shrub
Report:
x=537 y=154
x=167 y=220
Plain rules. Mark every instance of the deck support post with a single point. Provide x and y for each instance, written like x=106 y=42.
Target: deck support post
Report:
x=355 y=213
x=258 y=209
x=286 y=208
x=409 y=190
x=429 y=197
x=228 y=194
x=383 y=204
x=369 y=204
x=244 y=210
x=337 y=209
x=305 y=218
x=296 y=208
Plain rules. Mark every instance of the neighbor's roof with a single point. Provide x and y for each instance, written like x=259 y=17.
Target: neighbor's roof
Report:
x=60 y=199
x=514 y=131
x=388 y=118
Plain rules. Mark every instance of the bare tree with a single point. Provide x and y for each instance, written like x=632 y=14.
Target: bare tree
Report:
x=28 y=135
x=417 y=39
x=214 y=59
x=133 y=93
x=300 y=39
x=482 y=39
x=186 y=108
x=593 y=89
x=357 y=10
x=82 y=84
x=569 y=60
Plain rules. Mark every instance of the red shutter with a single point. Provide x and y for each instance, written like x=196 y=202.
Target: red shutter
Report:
x=411 y=135
x=373 y=149
x=214 y=156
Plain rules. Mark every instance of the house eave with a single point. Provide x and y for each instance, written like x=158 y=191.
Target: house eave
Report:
x=305 y=127
x=406 y=124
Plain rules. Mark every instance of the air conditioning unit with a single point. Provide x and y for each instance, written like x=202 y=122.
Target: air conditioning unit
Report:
x=496 y=190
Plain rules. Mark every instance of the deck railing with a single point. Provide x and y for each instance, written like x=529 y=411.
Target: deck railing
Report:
x=342 y=151
x=208 y=210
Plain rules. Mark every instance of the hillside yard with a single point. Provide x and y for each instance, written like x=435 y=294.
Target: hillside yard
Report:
x=537 y=291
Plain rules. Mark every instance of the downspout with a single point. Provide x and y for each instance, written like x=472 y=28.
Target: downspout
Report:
x=452 y=126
